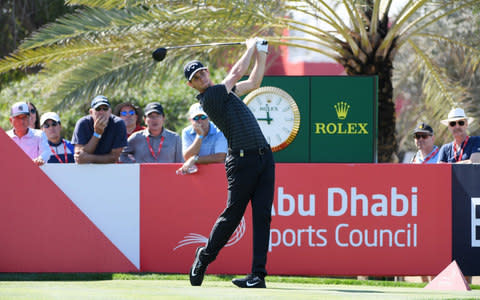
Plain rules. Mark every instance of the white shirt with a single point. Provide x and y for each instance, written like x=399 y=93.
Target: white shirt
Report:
x=34 y=143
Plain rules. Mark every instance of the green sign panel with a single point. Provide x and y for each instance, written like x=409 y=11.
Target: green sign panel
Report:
x=338 y=118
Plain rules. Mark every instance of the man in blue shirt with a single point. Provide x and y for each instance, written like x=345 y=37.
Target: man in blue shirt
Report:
x=463 y=146
x=61 y=150
x=424 y=140
x=100 y=136
x=202 y=141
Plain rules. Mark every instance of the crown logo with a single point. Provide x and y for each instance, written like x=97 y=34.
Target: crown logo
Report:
x=342 y=110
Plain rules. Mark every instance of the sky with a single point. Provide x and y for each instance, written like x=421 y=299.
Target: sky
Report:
x=302 y=55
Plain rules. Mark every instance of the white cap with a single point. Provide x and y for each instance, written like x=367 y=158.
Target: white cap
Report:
x=49 y=116
x=19 y=108
x=456 y=114
x=195 y=110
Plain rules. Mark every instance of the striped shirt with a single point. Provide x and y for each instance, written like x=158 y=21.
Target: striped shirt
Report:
x=233 y=117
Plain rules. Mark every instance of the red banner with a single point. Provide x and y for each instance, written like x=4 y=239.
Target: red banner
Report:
x=328 y=219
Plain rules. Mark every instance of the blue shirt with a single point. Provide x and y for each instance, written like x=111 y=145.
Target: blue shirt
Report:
x=446 y=152
x=62 y=148
x=432 y=157
x=114 y=136
x=214 y=142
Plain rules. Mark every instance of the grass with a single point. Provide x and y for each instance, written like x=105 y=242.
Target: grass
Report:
x=177 y=286
x=183 y=277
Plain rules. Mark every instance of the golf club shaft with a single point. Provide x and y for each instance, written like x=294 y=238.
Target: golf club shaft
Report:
x=205 y=45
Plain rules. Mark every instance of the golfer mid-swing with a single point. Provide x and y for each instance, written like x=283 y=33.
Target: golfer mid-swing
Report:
x=249 y=164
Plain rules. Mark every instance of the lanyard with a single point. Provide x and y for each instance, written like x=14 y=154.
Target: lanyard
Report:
x=159 y=147
x=64 y=152
x=461 y=149
x=430 y=156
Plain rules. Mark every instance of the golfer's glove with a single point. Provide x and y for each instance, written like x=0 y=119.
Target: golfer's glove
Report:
x=262 y=45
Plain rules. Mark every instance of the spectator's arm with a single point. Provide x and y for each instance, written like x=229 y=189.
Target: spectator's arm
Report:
x=212 y=158
x=83 y=157
x=193 y=149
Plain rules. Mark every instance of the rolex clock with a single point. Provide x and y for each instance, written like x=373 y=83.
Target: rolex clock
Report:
x=276 y=113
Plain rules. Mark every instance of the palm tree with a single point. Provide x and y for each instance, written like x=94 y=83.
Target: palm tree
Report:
x=109 y=42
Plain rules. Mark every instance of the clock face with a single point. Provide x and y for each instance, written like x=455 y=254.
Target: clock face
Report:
x=276 y=113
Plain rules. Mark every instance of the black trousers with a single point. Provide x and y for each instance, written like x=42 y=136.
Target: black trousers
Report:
x=250 y=176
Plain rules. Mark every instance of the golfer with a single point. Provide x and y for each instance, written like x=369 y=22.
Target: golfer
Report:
x=249 y=162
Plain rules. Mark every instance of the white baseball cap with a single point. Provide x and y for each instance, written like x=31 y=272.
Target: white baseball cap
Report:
x=456 y=114
x=19 y=108
x=49 y=116
x=195 y=110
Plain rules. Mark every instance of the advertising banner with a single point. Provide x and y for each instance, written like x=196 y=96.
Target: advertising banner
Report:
x=336 y=114
x=466 y=217
x=328 y=219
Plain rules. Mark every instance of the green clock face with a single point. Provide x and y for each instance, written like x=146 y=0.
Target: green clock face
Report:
x=276 y=113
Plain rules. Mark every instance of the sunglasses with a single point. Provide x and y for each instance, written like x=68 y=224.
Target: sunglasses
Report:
x=32 y=110
x=53 y=124
x=202 y=117
x=104 y=108
x=460 y=123
x=126 y=113
x=421 y=136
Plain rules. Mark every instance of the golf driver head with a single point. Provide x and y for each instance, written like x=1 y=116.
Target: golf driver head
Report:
x=159 y=54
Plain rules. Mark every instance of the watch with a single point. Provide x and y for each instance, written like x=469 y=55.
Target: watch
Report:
x=277 y=114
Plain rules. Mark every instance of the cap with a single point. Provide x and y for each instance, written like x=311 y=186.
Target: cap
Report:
x=456 y=114
x=19 y=108
x=99 y=100
x=153 y=107
x=49 y=116
x=191 y=68
x=195 y=110
x=423 y=128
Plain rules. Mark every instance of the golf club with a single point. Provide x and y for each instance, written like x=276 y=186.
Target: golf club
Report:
x=160 y=53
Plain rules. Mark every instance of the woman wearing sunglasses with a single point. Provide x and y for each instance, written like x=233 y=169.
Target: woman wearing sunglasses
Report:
x=463 y=145
x=131 y=114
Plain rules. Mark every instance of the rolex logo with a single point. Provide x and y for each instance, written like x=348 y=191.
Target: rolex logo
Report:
x=342 y=110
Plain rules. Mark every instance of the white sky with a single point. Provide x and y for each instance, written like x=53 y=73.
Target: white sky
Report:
x=302 y=55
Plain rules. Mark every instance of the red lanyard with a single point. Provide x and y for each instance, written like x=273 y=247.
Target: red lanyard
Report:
x=461 y=149
x=430 y=156
x=64 y=152
x=159 y=147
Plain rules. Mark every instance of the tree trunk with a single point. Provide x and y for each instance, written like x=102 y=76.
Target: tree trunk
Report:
x=386 y=140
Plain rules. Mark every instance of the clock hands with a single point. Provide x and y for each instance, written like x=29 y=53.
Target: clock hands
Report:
x=268 y=119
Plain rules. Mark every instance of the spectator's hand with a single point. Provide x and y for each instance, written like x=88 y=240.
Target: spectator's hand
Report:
x=38 y=161
x=80 y=157
x=262 y=45
x=199 y=129
x=186 y=165
x=100 y=124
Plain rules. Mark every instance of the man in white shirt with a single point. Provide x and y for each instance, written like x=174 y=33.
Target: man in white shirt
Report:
x=32 y=141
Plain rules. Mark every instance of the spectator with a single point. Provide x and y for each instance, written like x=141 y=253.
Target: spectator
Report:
x=202 y=141
x=427 y=152
x=34 y=116
x=33 y=142
x=100 y=136
x=61 y=149
x=131 y=114
x=463 y=146
x=155 y=144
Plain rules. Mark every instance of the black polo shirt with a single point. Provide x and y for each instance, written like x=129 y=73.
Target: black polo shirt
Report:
x=233 y=117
